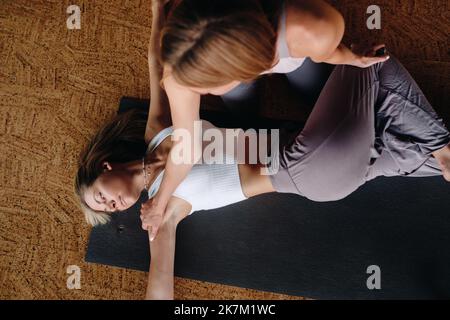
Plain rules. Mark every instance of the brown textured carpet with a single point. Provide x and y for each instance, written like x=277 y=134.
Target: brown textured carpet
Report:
x=58 y=86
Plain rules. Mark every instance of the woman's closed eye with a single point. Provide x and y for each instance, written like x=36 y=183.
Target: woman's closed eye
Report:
x=103 y=200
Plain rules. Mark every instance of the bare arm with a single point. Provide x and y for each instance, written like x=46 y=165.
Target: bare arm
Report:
x=317 y=30
x=159 y=112
x=161 y=274
x=184 y=107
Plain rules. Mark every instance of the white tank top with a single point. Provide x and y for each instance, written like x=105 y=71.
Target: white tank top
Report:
x=207 y=186
x=287 y=63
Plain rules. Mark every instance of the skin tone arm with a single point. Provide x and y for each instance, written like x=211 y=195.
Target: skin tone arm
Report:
x=161 y=274
x=159 y=112
x=316 y=30
x=186 y=104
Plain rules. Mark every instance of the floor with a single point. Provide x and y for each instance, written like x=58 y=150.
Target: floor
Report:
x=58 y=85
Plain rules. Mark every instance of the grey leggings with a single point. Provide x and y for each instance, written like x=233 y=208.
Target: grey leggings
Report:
x=366 y=123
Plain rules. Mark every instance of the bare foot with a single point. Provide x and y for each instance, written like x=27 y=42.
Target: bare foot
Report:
x=443 y=157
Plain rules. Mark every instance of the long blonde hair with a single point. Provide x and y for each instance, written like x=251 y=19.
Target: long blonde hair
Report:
x=119 y=141
x=210 y=43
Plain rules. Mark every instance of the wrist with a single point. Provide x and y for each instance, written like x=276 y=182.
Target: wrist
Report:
x=356 y=61
x=352 y=57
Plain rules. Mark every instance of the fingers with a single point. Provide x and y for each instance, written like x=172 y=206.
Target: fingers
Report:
x=378 y=51
x=146 y=226
x=151 y=224
x=152 y=233
x=378 y=47
x=376 y=55
x=373 y=55
x=148 y=221
x=144 y=219
x=151 y=218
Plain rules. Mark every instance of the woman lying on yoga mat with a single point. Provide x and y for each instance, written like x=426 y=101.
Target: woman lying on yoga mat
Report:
x=366 y=123
x=220 y=47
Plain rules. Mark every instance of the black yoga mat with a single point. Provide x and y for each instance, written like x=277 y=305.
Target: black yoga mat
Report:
x=287 y=244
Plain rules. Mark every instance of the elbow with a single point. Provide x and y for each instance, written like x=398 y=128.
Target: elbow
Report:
x=339 y=28
x=329 y=39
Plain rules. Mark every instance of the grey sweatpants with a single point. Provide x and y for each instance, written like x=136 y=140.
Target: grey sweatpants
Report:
x=366 y=123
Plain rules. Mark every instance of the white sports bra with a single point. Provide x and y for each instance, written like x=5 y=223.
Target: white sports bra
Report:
x=287 y=63
x=207 y=186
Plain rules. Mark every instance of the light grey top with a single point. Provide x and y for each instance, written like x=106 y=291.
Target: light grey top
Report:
x=207 y=186
x=287 y=63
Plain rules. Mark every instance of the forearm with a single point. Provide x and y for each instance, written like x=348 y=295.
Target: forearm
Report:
x=357 y=57
x=342 y=55
x=160 y=286
x=161 y=273
x=186 y=149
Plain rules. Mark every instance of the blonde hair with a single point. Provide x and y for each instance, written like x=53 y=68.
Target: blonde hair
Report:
x=212 y=43
x=119 y=141
x=92 y=217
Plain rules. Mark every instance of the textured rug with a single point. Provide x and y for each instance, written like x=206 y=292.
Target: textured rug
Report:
x=58 y=85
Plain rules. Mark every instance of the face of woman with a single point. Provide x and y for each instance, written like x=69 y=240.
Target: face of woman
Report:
x=115 y=190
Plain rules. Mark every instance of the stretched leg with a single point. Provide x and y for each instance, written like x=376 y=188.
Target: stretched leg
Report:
x=329 y=159
x=409 y=132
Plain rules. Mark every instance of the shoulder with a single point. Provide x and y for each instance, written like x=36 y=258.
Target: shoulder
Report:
x=313 y=28
x=170 y=84
x=184 y=103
